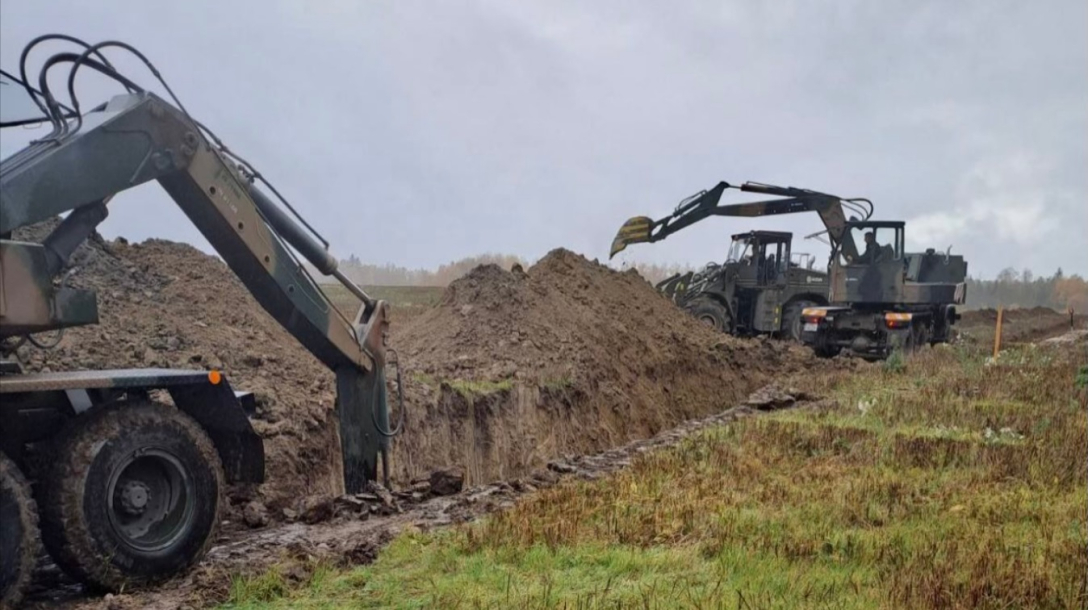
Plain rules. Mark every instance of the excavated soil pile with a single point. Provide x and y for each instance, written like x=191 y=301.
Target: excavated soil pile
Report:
x=514 y=368
x=167 y=304
x=1018 y=325
x=509 y=371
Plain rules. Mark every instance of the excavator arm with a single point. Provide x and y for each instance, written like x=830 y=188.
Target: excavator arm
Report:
x=136 y=138
x=704 y=204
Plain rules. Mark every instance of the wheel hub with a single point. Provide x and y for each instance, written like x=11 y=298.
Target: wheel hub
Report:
x=151 y=502
x=134 y=497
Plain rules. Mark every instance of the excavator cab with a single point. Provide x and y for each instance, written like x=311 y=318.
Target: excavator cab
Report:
x=880 y=241
x=875 y=273
x=883 y=272
x=762 y=257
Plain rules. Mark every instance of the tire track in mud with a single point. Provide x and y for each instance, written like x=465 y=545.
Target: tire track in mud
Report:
x=352 y=530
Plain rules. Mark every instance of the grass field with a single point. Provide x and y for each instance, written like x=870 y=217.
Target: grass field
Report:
x=946 y=481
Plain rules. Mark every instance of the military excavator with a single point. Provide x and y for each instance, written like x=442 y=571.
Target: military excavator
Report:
x=878 y=300
x=123 y=471
x=758 y=289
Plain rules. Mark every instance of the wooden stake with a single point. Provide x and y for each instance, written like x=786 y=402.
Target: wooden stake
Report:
x=997 y=334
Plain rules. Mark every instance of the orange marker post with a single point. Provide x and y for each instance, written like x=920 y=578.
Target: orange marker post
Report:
x=997 y=334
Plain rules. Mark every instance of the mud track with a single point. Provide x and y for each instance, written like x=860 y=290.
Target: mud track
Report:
x=351 y=530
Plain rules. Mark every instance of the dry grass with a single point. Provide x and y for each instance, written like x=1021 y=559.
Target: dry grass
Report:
x=952 y=483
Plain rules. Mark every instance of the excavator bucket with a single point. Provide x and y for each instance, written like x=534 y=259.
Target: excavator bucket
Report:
x=636 y=230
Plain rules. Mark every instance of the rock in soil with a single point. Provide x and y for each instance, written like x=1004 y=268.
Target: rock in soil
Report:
x=447 y=481
x=255 y=514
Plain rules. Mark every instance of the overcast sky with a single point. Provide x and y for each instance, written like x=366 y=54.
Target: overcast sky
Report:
x=422 y=132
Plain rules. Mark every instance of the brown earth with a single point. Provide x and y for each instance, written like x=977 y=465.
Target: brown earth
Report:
x=513 y=368
x=509 y=371
x=352 y=530
x=168 y=304
x=1018 y=325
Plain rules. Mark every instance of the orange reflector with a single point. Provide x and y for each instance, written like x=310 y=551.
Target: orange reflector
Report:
x=215 y=377
x=897 y=317
x=814 y=312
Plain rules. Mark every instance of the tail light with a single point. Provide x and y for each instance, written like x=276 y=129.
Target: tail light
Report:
x=812 y=315
x=897 y=320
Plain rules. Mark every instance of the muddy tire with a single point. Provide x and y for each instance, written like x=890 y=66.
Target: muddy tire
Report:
x=19 y=542
x=791 y=319
x=711 y=313
x=133 y=496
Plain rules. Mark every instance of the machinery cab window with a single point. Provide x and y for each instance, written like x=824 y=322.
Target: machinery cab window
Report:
x=764 y=256
x=740 y=250
x=16 y=105
x=875 y=243
x=803 y=260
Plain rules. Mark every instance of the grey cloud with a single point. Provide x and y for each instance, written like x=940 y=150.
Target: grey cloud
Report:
x=462 y=127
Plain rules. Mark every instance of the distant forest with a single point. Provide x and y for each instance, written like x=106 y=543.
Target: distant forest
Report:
x=1011 y=287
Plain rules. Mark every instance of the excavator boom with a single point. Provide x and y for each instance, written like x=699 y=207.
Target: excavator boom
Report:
x=704 y=204
x=148 y=452
x=139 y=137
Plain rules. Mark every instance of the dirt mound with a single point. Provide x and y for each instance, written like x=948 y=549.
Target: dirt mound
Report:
x=567 y=319
x=977 y=317
x=512 y=368
x=1018 y=325
x=168 y=304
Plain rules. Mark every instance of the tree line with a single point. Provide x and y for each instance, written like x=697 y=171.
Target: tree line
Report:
x=366 y=274
x=1010 y=288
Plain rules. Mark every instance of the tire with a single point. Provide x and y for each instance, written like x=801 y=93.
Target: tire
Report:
x=791 y=319
x=903 y=342
x=133 y=496
x=19 y=545
x=711 y=313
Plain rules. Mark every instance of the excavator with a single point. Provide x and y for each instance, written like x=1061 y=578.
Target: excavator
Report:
x=879 y=300
x=122 y=472
x=758 y=289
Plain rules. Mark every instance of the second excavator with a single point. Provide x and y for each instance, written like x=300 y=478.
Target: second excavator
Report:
x=869 y=302
x=759 y=289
